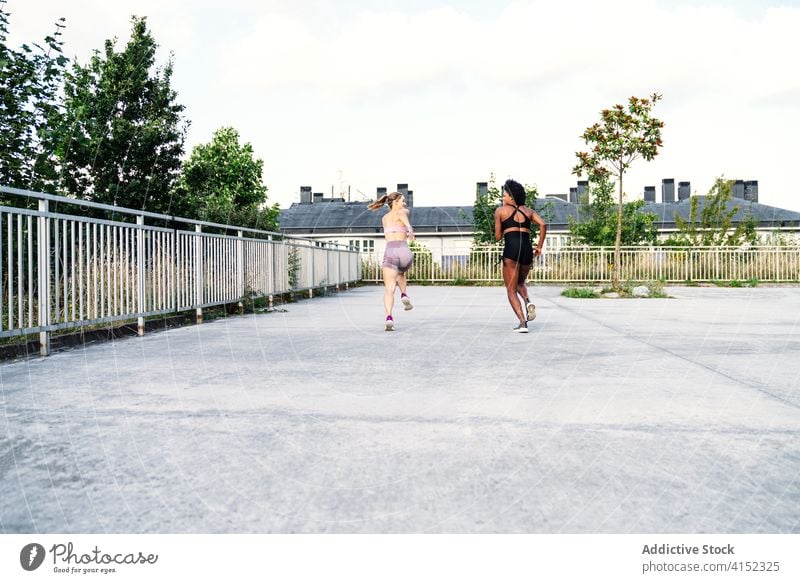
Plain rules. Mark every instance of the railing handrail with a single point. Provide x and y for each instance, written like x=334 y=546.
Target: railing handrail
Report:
x=747 y=247
x=766 y=263
x=68 y=269
x=142 y=213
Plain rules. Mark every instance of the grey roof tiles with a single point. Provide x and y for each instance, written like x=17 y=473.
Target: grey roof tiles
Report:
x=354 y=217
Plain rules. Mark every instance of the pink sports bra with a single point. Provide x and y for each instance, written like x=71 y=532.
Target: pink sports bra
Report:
x=395 y=229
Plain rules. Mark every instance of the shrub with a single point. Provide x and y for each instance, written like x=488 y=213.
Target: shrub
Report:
x=580 y=292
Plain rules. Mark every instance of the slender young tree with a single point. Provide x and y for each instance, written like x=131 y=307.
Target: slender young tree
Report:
x=598 y=219
x=713 y=224
x=483 y=213
x=623 y=135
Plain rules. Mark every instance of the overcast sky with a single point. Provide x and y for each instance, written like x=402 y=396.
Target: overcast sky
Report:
x=441 y=94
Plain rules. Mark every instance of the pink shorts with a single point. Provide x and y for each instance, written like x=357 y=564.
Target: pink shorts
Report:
x=397 y=256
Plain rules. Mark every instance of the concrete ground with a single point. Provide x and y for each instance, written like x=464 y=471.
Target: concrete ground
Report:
x=612 y=416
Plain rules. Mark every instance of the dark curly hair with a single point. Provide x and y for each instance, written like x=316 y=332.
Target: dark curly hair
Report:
x=516 y=190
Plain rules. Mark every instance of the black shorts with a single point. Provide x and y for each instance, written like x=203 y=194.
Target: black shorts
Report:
x=518 y=247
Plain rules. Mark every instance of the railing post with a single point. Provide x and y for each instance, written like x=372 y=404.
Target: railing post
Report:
x=198 y=275
x=339 y=254
x=43 y=253
x=603 y=265
x=240 y=264
x=273 y=275
x=774 y=253
x=140 y=273
x=284 y=265
x=325 y=269
x=688 y=260
x=313 y=272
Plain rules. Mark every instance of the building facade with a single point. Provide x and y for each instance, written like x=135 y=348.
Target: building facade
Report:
x=447 y=231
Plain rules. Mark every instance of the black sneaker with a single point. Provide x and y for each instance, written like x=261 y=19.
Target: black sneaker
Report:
x=522 y=328
x=531 y=309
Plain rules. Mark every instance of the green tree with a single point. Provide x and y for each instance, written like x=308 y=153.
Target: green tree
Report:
x=30 y=79
x=622 y=136
x=485 y=205
x=483 y=213
x=121 y=134
x=713 y=224
x=598 y=219
x=221 y=182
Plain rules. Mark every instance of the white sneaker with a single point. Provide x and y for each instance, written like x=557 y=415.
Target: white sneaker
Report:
x=531 y=311
x=407 y=303
x=389 y=325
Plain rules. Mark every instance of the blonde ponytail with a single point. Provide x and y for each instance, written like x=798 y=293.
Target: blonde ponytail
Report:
x=385 y=199
x=373 y=206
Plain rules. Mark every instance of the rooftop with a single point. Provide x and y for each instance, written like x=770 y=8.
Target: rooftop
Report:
x=338 y=216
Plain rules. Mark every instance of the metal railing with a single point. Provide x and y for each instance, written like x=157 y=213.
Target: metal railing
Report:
x=596 y=265
x=61 y=270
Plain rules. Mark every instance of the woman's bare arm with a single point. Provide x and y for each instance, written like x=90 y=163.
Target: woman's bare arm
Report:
x=404 y=219
x=542 y=231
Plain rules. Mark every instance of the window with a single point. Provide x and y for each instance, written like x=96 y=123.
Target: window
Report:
x=363 y=245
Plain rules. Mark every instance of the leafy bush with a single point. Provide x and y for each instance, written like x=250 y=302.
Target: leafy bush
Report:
x=580 y=293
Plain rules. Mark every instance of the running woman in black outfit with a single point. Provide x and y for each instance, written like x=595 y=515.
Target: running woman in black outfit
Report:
x=512 y=221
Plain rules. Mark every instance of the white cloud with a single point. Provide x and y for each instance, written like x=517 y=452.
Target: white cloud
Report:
x=90 y=22
x=440 y=97
x=599 y=45
x=376 y=50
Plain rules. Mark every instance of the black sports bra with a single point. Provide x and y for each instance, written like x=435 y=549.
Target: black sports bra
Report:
x=511 y=222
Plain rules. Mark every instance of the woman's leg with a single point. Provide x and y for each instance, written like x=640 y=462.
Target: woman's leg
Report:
x=522 y=290
x=511 y=278
x=523 y=275
x=402 y=283
x=389 y=283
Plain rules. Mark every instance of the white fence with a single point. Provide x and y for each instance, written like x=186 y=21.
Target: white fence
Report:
x=84 y=270
x=596 y=264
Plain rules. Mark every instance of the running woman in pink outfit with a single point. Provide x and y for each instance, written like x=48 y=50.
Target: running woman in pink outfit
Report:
x=397 y=259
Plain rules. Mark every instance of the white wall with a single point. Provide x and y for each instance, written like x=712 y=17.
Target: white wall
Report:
x=459 y=244
x=444 y=244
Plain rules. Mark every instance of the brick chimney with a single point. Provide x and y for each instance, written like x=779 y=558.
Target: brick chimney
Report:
x=684 y=190
x=668 y=190
x=481 y=189
x=403 y=189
